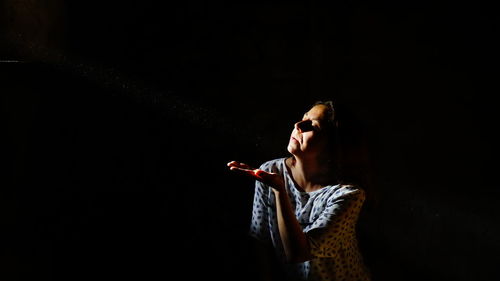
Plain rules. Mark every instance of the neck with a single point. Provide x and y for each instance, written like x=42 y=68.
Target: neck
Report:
x=309 y=174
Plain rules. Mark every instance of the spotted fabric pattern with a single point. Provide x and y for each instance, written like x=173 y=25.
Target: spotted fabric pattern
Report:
x=328 y=217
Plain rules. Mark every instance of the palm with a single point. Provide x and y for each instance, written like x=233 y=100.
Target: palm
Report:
x=272 y=179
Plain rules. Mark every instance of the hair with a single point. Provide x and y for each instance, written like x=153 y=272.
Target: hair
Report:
x=333 y=157
x=331 y=122
x=349 y=155
x=349 y=151
x=330 y=112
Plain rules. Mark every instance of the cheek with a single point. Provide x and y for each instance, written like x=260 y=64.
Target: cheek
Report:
x=314 y=141
x=308 y=140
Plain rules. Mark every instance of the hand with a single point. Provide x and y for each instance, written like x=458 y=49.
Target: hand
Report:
x=272 y=179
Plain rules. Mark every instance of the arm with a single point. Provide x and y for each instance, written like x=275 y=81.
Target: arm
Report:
x=295 y=242
x=337 y=221
x=266 y=262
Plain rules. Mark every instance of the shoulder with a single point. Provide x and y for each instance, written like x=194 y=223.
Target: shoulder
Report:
x=348 y=191
x=274 y=165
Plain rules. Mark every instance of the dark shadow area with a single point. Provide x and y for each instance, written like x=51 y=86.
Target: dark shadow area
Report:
x=118 y=121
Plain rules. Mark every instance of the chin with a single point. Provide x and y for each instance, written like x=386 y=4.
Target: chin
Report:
x=291 y=149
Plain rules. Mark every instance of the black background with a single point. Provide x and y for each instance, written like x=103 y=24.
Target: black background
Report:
x=119 y=119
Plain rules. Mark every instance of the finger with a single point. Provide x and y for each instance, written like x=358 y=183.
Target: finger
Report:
x=238 y=169
x=260 y=174
x=234 y=163
x=238 y=164
x=246 y=172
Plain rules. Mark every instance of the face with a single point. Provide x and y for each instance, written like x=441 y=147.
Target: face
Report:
x=308 y=138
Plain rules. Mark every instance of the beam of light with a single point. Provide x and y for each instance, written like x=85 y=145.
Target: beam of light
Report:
x=167 y=102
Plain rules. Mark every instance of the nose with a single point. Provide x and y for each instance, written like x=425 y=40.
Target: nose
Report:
x=297 y=126
x=303 y=126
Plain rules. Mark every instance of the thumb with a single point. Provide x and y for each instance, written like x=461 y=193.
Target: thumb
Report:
x=258 y=172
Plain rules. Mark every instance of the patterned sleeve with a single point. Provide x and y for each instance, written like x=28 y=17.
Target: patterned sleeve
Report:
x=259 y=226
x=328 y=233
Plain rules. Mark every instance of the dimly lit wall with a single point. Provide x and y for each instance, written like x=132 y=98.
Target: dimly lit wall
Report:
x=119 y=119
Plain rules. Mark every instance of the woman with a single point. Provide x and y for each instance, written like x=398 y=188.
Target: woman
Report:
x=303 y=209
